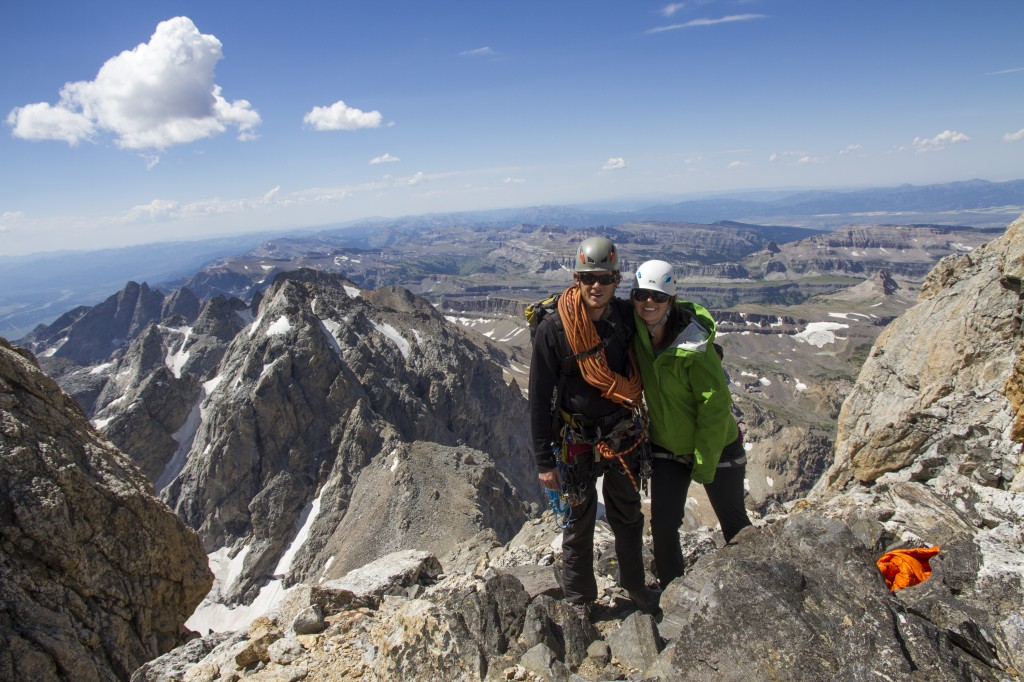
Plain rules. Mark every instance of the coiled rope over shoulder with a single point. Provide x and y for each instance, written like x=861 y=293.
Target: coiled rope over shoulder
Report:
x=583 y=339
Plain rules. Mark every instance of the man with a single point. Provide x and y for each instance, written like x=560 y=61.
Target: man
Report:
x=584 y=387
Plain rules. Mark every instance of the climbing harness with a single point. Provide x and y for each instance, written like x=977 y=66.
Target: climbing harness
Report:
x=582 y=446
x=627 y=437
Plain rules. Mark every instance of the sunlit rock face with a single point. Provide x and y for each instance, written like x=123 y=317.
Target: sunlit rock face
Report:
x=938 y=378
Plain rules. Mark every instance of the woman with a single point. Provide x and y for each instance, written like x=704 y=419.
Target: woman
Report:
x=693 y=433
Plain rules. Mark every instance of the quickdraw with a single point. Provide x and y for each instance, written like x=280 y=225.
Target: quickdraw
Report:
x=575 y=477
x=560 y=503
x=560 y=508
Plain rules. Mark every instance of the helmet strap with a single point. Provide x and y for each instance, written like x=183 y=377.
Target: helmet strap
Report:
x=653 y=329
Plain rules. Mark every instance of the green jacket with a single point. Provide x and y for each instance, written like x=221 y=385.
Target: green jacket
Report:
x=687 y=395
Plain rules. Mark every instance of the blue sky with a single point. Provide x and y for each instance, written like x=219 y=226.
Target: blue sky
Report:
x=131 y=122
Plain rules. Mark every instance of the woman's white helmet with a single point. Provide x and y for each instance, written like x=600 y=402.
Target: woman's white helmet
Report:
x=656 y=275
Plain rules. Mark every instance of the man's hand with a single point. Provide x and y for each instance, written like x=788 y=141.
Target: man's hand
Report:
x=549 y=479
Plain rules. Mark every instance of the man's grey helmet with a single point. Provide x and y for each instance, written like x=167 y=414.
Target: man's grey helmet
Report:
x=596 y=253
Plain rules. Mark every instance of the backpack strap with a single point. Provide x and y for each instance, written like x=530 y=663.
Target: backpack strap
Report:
x=567 y=364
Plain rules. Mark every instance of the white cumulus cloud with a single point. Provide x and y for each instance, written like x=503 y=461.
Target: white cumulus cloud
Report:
x=850 y=149
x=921 y=145
x=340 y=116
x=384 y=158
x=740 y=164
x=614 y=163
x=513 y=181
x=154 y=96
x=1014 y=137
x=671 y=8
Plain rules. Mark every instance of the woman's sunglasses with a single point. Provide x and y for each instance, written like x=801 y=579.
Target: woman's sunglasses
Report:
x=640 y=295
x=589 y=278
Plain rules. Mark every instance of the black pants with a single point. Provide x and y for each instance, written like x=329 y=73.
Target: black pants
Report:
x=622 y=505
x=670 y=479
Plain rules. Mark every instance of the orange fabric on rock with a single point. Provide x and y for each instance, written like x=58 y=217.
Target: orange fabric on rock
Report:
x=906 y=567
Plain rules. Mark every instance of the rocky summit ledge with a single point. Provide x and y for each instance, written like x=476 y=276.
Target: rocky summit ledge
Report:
x=798 y=596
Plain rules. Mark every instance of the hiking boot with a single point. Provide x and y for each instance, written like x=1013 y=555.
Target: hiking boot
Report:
x=645 y=599
x=582 y=610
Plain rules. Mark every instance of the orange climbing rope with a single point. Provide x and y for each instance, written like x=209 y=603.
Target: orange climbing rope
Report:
x=605 y=450
x=583 y=337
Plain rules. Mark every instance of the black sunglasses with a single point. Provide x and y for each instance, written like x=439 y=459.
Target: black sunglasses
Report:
x=645 y=294
x=589 y=278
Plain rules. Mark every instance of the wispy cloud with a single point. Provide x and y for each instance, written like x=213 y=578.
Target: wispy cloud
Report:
x=795 y=158
x=513 y=181
x=154 y=96
x=740 y=164
x=160 y=211
x=340 y=116
x=850 y=149
x=1005 y=71
x=614 y=163
x=478 y=52
x=779 y=156
x=921 y=145
x=1014 y=137
x=384 y=158
x=671 y=8
x=732 y=18
x=156 y=211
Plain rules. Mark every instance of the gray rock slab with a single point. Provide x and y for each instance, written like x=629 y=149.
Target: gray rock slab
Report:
x=636 y=642
x=396 y=570
x=537 y=580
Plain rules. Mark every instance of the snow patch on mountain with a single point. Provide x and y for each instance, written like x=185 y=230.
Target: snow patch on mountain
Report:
x=393 y=334
x=818 y=334
x=280 y=326
x=309 y=515
x=176 y=359
x=331 y=330
x=100 y=369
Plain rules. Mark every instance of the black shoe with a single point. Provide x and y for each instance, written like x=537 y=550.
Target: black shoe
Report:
x=645 y=599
